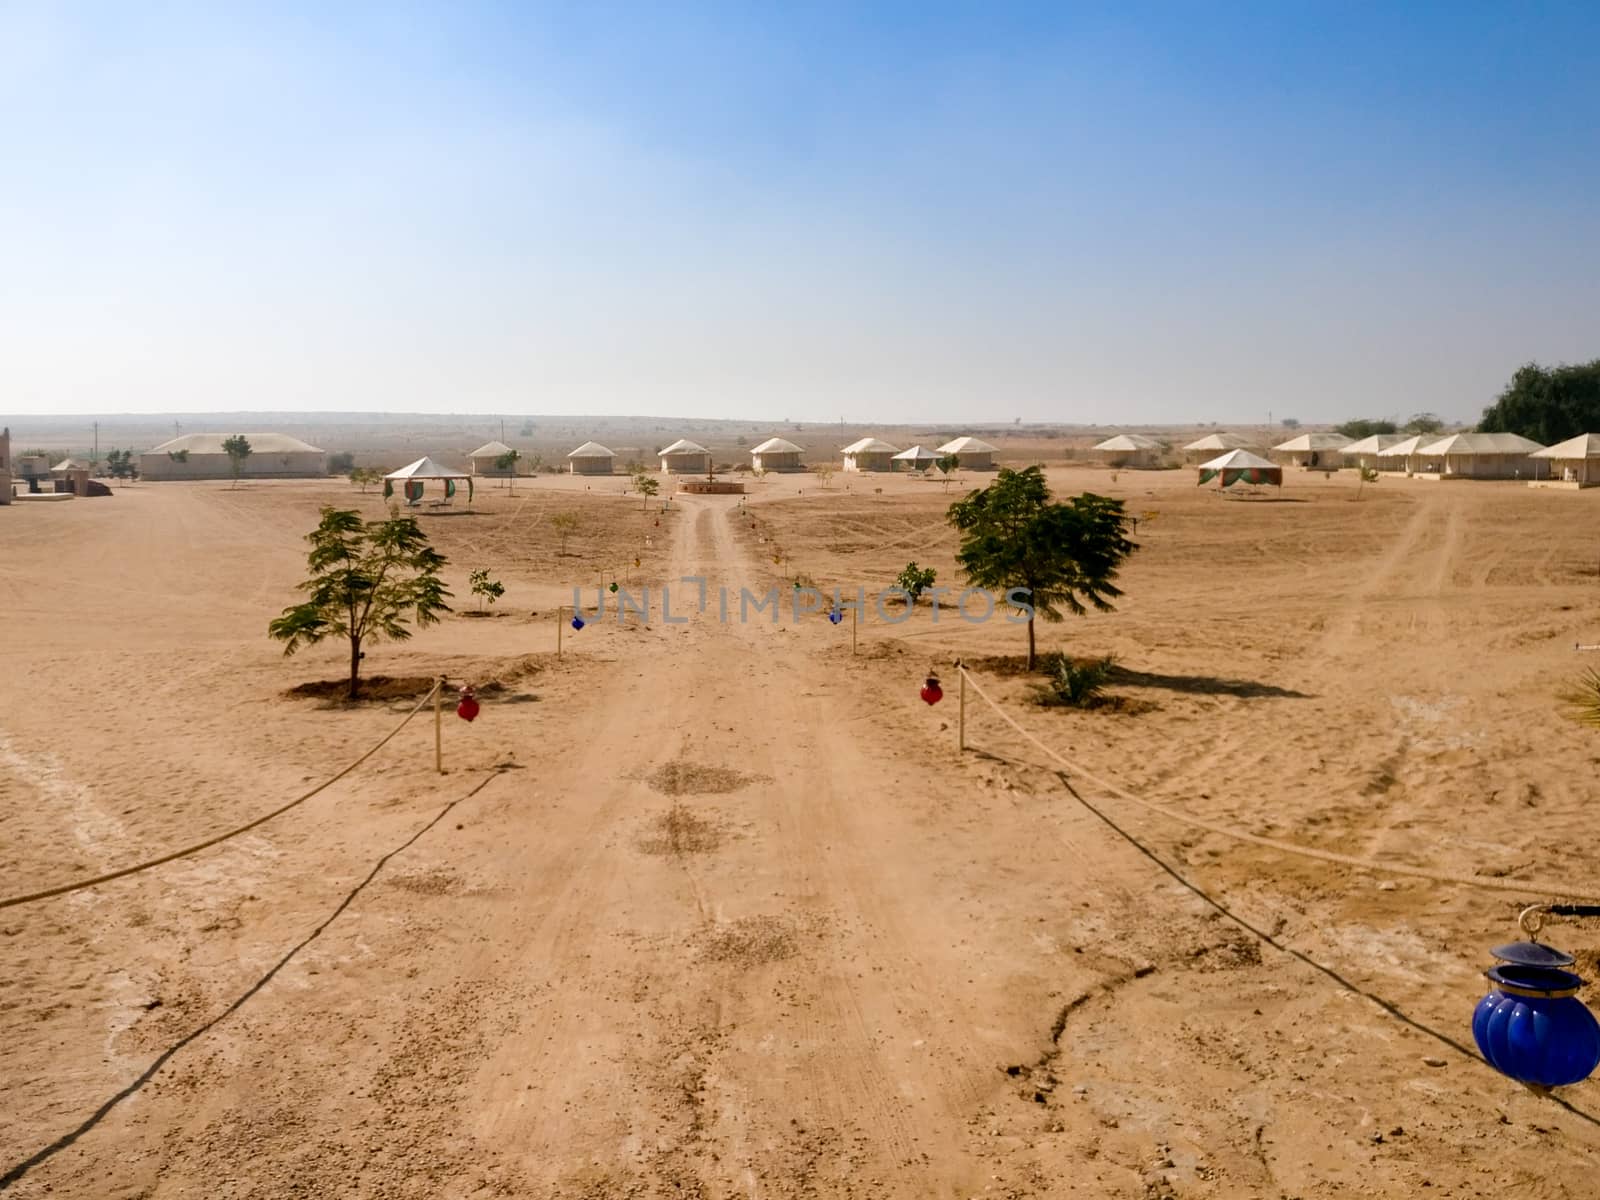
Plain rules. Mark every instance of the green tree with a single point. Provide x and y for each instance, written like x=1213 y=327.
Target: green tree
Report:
x=1424 y=422
x=369 y=579
x=1547 y=404
x=237 y=448
x=914 y=580
x=508 y=462
x=565 y=524
x=120 y=465
x=1062 y=555
x=485 y=587
x=341 y=463
x=1291 y=422
x=647 y=486
x=1364 y=427
x=364 y=476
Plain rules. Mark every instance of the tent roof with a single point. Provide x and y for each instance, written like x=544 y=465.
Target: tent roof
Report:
x=1238 y=460
x=1481 y=443
x=1374 y=443
x=426 y=468
x=685 y=446
x=490 y=450
x=1220 y=441
x=869 y=445
x=591 y=450
x=966 y=445
x=1307 y=442
x=1404 y=448
x=916 y=454
x=211 y=443
x=776 y=445
x=70 y=464
x=1585 y=445
x=1129 y=441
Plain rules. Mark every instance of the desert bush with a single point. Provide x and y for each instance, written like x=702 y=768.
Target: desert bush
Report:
x=914 y=580
x=1074 y=683
x=1583 y=699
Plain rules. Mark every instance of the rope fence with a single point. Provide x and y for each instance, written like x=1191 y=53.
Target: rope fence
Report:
x=80 y=884
x=1548 y=887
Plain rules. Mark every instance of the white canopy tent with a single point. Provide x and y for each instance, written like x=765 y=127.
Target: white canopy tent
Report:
x=1130 y=450
x=685 y=457
x=1401 y=457
x=1478 y=456
x=412 y=476
x=869 y=454
x=1313 y=451
x=591 y=458
x=775 y=454
x=1364 y=452
x=485 y=458
x=973 y=454
x=1215 y=443
x=1576 y=461
x=918 y=458
x=1240 y=466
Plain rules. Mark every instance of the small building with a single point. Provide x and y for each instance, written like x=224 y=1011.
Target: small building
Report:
x=201 y=456
x=1214 y=444
x=5 y=465
x=1364 y=453
x=1574 y=463
x=684 y=457
x=1313 y=451
x=869 y=454
x=1130 y=450
x=775 y=454
x=918 y=458
x=1478 y=456
x=485 y=459
x=591 y=458
x=971 y=453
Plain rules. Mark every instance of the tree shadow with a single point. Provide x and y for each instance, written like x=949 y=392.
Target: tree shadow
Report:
x=1205 y=685
x=66 y=1140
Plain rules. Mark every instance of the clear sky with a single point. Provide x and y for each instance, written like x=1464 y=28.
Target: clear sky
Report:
x=918 y=211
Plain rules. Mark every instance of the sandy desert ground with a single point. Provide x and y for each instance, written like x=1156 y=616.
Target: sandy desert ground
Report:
x=717 y=910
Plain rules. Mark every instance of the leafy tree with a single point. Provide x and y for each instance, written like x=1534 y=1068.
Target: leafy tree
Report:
x=914 y=580
x=341 y=463
x=237 y=448
x=365 y=476
x=485 y=587
x=178 y=455
x=508 y=462
x=1063 y=554
x=947 y=467
x=823 y=472
x=1363 y=427
x=1368 y=475
x=647 y=487
x=1291 y=422
x=565 y=524
x=368 y=580
x=1547 y=404
x=120 y=465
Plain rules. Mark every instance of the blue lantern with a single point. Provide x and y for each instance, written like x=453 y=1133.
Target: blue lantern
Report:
x=1532 y=1026
x=577 y=621
x=836 y=616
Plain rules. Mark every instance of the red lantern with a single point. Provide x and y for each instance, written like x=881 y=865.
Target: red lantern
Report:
x=931 y=692
x=468 y=708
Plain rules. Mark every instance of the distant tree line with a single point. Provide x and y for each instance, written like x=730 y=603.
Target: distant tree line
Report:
x=1547 y=404
x=1366 y=426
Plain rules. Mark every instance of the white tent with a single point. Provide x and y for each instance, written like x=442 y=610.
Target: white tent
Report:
x=1401 y=457
x=685 y=457
x=412 y=476
x=972 y=453
x=1313 y=451
x=68 y=464
x=484 y=458
x=201 y=456
x=1364 y=453
x=1577 y=460
x=775 y=454
x=1130 y=450
x=1238 y=460
x=591 y=458
x=869 y=454
x=918 y=458
x=1478 y=456
x=1213 y=444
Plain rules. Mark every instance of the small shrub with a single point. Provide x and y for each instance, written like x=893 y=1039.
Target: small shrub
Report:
x=1075 y=683
x=485 y=587
x=914 y=580
x=340 y=463
x=1583 y=699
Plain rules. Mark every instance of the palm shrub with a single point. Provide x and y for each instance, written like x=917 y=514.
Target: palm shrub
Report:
x=1075 y=683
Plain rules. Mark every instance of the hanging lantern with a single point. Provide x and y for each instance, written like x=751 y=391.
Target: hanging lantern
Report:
x=1532 y=1026
x=931 y=692
x=468 y=708
x=577 y=621
x=836 y=616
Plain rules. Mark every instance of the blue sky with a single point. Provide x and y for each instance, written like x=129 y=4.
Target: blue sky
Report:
x=1096 y=213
